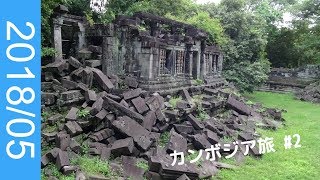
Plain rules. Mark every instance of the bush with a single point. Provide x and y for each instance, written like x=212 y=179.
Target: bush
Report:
x=247 y=76
x=48 y=52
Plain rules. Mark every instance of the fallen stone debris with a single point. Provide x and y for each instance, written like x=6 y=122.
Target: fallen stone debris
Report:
x=86 y=112
x=310 y=93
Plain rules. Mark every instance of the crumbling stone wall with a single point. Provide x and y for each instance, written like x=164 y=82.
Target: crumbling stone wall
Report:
x=161 y=53
x=284 y=79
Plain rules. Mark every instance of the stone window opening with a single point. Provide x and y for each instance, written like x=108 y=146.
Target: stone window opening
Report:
x=180 y=62
x=215 y=63
x=207 y=61
x=165 y=62
x=69 y=35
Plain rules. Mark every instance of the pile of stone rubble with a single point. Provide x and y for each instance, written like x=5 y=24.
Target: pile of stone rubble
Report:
x=310 y=93
x=112 y=118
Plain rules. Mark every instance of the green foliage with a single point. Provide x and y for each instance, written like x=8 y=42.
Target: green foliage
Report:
x=78 y=7
x=249 y=102
x=47 y=7
x=246 y=76
x=48 y=52
x=201 y=113
x=45 y=115
x=89 y=17
x=281 y=48
x=50 y=129
x=307 y=42
x=56 y=173
x=164 y=139
x=143 y=165
x=85 y=148
x=211 y=25
x=173 y=101
x=176 y=10
x=94 y=166
x=194 y=156
x=198 y=82
x=298 y=45
x=227 y=139
x=83 y=113
x=244 y=44
x=302 y=118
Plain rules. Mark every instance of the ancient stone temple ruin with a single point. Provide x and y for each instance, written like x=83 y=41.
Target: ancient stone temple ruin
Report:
x=161 y=53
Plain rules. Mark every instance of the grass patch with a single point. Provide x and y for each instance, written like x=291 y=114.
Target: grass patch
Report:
x=194 y=156
x=94 y=166
x=90 y=166
x=227 y=139
x=302 y=163
x=201 y=113
x=249 y=102
x=143 y=165
x=55 y=172
x=173 y=100
x=198 y=82
x=50 y=129
x=83 y=113
x=164 y=139
x=197 y=99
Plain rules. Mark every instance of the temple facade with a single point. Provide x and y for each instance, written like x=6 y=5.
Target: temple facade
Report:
x=161 y=53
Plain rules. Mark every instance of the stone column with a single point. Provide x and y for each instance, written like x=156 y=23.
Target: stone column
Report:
x=210 y=63
x=214 y=64
x=198 y=64
x=81 y=36
x=155 y=63
x=107 y=55
x=174 y=64
x=220 y=62
x=203 y=65
x=190 y=62
x=145 y=63
x=57 y=38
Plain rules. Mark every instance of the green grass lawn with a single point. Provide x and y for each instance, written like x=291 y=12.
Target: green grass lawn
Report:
x=302 y=118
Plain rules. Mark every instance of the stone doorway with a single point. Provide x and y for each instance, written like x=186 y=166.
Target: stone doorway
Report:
x=195 y=65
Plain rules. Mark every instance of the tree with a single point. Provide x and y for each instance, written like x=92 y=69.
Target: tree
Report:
x=244 y=50
x=307 y=29
x=281 y=48
x=175 y=9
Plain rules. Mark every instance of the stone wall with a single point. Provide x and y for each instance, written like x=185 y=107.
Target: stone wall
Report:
x=292 y=80
x=161 y=53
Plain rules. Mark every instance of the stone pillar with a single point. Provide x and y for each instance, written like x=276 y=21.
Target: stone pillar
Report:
x=145 y=63
x=214 y=64
x=210 y=64
x=174 y=62
x=220 y=63
x=107 y=55
x=203 y=65
x=190 y=62
x=154 y=63
x=81 y=36
x=57 y=38
x=198 y=64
